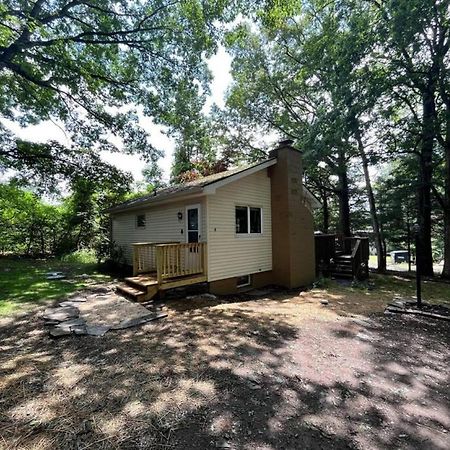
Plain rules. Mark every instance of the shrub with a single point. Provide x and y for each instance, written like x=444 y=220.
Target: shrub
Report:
x=83 y=256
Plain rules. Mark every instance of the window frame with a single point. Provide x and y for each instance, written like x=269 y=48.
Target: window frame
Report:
x=249 y=233
x=136 y=221
x=248 y=283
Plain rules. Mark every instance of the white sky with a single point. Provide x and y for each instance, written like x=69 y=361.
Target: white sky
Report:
x=220 y=66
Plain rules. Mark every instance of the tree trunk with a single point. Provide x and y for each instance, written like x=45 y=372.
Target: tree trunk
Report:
x=381 y=257
x=343 y=195
x=446 y=269
x=424 y=251
x=325 y=212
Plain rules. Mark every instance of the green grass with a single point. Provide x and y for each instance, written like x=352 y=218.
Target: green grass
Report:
x=80 y=257
x=386 y=287
x=23 y=282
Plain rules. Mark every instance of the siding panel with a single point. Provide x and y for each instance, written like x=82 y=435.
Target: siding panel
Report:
x=162 y=225
x=231 y=255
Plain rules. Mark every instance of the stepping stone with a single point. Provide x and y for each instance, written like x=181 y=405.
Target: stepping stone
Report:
x=69 y=303
x=71 y=323
x=77 y=326
x=77 y=299
x=57 y=332
x=61 y=314
x=55 y=276
x=97 y=330
x=138 y=321
x=324 y=302
x=49 y=323
x=77 y=329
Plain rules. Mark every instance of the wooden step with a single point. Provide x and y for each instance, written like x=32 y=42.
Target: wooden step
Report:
x=131 y=292
x=141 y=282
x=346 y=262
x=151 y=292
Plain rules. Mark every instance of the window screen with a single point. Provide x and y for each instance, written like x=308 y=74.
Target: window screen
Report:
x=241 y=220
x=255 y=220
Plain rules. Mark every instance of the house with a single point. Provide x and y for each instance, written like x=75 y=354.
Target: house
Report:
x=247 y=227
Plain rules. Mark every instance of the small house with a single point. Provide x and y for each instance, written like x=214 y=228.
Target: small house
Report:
x=239 y=229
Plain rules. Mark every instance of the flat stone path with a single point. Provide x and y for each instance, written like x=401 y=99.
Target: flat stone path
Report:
x=96 y=311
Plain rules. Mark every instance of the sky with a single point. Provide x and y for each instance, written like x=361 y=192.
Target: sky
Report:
x=219 y=65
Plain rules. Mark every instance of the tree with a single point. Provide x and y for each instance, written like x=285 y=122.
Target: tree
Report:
x=295 y=78
x=414 y=46
x=90 y=63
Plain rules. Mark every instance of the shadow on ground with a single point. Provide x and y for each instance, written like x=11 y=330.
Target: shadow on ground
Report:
x=284 y=372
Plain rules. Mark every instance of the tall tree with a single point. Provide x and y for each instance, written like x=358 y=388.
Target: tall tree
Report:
x=89 y=63
x=414 y=46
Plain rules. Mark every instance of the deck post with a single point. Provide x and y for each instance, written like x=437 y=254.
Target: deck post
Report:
x=159 y=263
x=205 y=259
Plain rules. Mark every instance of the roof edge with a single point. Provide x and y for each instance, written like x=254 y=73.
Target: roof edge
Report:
x=211 y=187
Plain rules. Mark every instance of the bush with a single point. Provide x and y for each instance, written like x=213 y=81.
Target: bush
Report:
x=83 y=256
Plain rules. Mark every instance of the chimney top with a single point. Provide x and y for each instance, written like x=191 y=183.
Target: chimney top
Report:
x=285 y=143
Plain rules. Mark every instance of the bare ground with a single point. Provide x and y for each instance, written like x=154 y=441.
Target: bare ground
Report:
x=281 y=372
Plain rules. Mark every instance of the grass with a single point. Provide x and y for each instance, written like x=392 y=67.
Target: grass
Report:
x=23 y=282
x=372 y=296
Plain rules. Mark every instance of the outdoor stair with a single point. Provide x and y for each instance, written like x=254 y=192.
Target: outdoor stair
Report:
x=342 y=266
x=139 y=288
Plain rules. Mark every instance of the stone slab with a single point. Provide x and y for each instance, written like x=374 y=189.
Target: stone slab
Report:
x=138 y=321
x=62 y=313
x=97 y=330
x=57 y=332
x=71 y=323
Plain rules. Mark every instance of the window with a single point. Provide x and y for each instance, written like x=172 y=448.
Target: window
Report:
x=248 y=220
x=140 y=221
x=245 y=280
x=241 y=220
x=255 y=220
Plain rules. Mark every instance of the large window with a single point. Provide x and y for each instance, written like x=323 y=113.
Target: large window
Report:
x=248 y=220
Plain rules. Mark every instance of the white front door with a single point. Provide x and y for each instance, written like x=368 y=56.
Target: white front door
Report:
x=193 y=223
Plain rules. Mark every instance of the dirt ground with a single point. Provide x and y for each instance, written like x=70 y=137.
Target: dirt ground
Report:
x=282 y=371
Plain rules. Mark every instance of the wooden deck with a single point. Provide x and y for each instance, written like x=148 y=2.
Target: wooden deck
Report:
x=344 y=257
x=161 y=266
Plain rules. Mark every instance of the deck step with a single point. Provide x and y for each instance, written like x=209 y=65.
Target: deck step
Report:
x=141 y=283
x=129 y=291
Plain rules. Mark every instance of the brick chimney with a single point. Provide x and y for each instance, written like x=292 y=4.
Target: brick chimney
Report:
x=292 y=223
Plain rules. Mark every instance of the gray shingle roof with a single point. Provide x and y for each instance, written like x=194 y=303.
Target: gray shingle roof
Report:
x=191 y=187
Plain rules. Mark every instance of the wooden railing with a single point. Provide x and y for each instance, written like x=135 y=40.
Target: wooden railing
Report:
x=178 y=260
x=360 y=257
x=144 y=257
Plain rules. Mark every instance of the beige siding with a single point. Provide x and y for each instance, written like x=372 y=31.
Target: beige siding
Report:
x=231 y=255
x=162 y=225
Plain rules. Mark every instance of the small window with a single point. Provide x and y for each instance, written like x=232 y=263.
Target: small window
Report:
x=245 y=280
x=140 y=221
x=248 y=220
